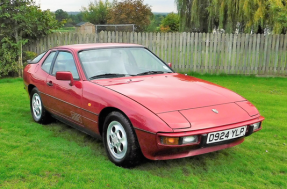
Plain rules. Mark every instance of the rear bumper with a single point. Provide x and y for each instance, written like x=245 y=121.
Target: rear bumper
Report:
x=154 y=150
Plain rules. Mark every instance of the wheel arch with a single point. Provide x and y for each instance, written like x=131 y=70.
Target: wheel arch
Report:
x=104 y=113
x=30 y=88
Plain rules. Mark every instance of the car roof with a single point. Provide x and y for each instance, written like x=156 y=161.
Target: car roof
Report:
x=79 y=47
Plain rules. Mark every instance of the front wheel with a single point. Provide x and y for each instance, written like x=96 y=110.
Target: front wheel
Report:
x=120 y=141
x=39 y=113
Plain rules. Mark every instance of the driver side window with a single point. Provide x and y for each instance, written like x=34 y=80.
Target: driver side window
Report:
x=65 y=63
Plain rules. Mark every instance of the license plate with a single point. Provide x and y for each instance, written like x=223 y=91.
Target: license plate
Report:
x=226 y=135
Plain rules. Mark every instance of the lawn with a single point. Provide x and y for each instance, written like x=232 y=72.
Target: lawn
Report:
x=57 y=156
x=65 y=29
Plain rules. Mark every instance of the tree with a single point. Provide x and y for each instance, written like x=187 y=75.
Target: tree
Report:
x=193 y=15
x=155 y=22
x=96 y=12
x=170 y=23
x=278 y=11
x=21 y=21
x=77 y=18
x=61 y=15
x=131 y=12
x=250 y=15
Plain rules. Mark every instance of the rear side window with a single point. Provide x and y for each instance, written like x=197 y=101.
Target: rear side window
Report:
x=38 y=58
x=48 y=62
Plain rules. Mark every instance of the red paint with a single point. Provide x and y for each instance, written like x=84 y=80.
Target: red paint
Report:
x=175 y=153
x=175 y=120
x=248 y=107
x=171 y=92
x=65 y=76
x=170 y=104
x=202 y=118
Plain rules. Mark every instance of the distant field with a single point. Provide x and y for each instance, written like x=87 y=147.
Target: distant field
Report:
x=57 y=156
x=65 y=29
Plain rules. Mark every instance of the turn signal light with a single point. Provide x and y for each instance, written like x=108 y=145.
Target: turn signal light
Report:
x=193 y=139
x=170 y=140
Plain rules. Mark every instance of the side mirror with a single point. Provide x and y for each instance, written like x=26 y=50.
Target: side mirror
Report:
x=169 y=64
x=65 y=76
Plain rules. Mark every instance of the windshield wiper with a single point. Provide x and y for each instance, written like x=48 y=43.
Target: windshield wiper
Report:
x=107 y=75
x=152 y=72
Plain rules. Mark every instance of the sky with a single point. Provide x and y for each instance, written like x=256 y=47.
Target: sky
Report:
x=75 y=5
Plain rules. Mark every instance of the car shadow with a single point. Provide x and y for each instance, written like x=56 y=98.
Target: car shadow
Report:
x=164 y=168
x=71 y=134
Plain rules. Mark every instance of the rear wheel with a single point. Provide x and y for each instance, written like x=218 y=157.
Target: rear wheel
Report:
x=39 y=113
x=120 y=141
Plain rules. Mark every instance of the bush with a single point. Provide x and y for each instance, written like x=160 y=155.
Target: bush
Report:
x=170 y=23
x=28 y=55
x=8 y=57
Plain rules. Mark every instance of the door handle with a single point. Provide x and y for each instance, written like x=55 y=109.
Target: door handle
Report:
x=50 y=83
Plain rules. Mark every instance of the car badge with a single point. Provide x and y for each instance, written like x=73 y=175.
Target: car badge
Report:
x=215 y=111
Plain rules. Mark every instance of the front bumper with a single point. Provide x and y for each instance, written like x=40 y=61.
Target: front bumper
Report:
x=153 y=149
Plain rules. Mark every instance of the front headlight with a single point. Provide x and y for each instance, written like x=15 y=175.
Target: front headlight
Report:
x=190 y=139
x=256 y=126
x=179 y=140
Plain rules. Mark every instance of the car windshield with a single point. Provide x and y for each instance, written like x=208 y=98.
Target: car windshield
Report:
x=121 y=62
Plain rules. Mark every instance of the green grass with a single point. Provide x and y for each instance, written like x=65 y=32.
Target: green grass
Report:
x=57 y=156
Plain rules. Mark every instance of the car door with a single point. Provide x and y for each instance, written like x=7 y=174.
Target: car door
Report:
x=67 y=99
x=42 y=73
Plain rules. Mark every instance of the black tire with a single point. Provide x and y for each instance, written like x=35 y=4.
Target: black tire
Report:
x=124 y=149
x=39 y=113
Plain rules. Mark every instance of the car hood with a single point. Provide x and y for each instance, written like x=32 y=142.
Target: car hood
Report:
x=209 y=116
x=171 y=92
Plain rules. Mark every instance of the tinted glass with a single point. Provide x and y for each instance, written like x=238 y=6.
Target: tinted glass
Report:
x=65 y=63
x=48 y=62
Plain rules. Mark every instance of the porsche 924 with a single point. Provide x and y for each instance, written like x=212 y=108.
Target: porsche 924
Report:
x=135 y=102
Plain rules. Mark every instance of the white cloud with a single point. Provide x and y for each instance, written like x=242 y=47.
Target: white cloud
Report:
x=162 y=5
x=75 y=5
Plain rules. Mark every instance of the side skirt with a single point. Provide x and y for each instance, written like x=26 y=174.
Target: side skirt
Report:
x=76 y=126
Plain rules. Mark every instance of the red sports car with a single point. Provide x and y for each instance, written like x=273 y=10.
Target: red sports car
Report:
x=136 y=103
